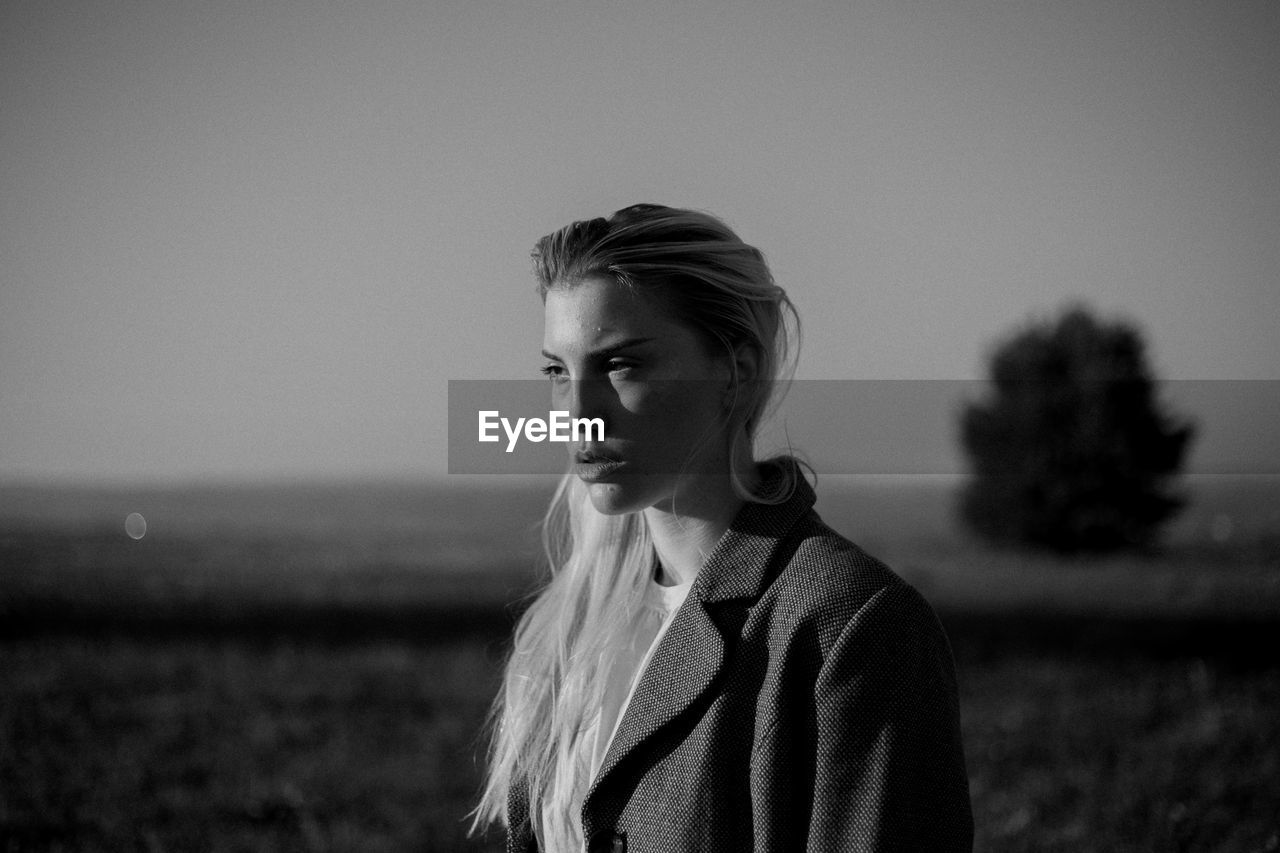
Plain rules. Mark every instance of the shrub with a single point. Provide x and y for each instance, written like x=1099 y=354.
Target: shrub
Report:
x=1071 y=451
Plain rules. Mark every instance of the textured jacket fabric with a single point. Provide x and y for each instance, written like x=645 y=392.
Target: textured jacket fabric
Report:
x=803 y=699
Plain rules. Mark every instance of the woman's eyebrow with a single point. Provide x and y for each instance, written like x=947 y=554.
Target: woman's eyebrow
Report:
x=609 y=350
x=621 y=345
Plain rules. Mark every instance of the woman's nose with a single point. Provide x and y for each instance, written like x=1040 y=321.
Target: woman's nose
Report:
x=584 y=398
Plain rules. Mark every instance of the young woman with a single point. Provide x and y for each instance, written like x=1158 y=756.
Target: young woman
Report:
x=710 y=668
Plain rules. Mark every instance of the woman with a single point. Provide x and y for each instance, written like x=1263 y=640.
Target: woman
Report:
x=710 y=668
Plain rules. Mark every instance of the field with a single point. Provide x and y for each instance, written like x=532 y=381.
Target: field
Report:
x=309 y=668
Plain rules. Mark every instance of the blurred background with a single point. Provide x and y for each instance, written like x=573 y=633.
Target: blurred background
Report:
x=245 y=247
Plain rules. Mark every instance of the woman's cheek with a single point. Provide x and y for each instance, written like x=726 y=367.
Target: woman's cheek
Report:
x=631 y=399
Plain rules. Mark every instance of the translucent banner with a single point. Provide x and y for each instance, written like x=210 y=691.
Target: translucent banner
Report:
x=881 y=427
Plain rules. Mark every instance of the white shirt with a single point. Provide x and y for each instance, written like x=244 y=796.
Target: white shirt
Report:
x=657 y=611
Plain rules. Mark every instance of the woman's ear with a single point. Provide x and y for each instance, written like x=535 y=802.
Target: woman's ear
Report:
x=746 y=363
x=745 y=370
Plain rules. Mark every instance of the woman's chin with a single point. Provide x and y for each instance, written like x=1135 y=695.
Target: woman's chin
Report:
x=613 y=498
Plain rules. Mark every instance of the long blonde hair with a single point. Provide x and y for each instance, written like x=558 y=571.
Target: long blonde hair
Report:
x=567 y=640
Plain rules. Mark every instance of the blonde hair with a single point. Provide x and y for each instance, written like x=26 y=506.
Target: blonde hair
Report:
x=565 y=643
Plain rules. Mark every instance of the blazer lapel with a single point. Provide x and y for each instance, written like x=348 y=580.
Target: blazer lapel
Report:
x=691 y=654
x=684 y=665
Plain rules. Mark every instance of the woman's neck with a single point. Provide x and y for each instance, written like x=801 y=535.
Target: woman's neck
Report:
x=687 y=530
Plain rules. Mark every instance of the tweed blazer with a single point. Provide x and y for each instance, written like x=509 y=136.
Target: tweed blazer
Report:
x=803 y=699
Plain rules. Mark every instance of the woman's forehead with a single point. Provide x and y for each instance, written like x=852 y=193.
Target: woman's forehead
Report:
x=600 y=303
x=599 y=312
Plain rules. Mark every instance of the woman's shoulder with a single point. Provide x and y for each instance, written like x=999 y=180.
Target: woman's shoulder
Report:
x=826 y=581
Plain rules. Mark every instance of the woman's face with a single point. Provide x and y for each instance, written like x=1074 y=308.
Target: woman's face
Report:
x=614 y=354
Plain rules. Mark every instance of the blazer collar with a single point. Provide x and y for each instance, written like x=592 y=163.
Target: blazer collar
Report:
x=738 y=567
x=692 y=653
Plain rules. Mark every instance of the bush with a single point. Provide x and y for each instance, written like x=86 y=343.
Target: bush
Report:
x=1072 y=451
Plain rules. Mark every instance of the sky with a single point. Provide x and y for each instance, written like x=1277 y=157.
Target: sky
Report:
x=256 y=240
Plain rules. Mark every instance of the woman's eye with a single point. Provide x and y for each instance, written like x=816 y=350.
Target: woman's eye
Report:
x=619 y=366
x=553 y=372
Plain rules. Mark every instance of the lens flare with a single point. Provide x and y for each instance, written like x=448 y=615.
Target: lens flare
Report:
x=135 y=525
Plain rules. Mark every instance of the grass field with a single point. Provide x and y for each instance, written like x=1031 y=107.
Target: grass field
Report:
x=309 y=669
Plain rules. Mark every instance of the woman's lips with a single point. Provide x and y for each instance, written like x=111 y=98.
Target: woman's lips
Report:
x=592 y=466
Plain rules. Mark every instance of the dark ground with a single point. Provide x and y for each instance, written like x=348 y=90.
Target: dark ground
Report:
x=265 y=684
